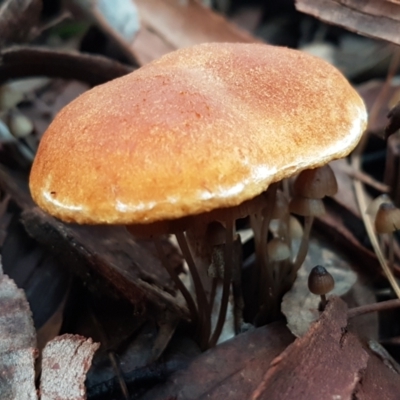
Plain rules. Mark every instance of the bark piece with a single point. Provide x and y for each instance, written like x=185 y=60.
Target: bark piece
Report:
x=374 y=18
x=326 y=363
x=231 y=370
x=66 y=360
x=17 y=344
x=104 y=256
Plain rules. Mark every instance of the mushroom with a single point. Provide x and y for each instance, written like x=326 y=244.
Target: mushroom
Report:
x=310 y=187
x=320 y=282
x=387 y=221
x=195 y=137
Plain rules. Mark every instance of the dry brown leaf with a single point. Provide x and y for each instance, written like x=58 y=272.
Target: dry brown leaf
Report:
x=231 y=370
x=17 y=344
x=326 y=363
x=380 y=381
x=118 y=19
x=66 y=360
x=166 y=25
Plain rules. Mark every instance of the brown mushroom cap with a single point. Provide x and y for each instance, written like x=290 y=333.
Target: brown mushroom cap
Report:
x=201 y=128
x=316 y=183
x=387 y=219
x=320 y=281
x=307 y=207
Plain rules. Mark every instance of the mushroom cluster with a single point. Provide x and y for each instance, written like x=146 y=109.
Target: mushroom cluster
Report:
x=188 y=144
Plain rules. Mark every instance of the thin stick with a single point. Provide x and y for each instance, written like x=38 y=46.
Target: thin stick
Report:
x=226 y=284
x=365 y=178
x=179 y=284
x=391 y=251
x=358 y=186
x=111 y=354
x=362 y=205
x=120 y=377
x=368 y=308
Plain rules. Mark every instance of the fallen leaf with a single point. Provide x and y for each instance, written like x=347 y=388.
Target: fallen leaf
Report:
x=17 y=343
x=231 y=370
x=118 y=19
x=380 y=380
x=326 y=363
x=66 y=360
x=168 y=25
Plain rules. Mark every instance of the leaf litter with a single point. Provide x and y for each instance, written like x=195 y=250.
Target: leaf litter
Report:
x=66 y=359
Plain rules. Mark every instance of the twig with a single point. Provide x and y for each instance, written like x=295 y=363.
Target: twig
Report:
x=26 y=61
x=358 y=186
x=368 y=308
x=365 y=178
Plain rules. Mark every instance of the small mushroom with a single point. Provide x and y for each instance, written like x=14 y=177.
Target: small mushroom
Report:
x=316 y=183
x=387 y=221
x=320 y=282
x=309 y=188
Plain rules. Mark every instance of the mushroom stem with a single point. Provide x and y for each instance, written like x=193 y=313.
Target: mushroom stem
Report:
x=202 y=303
x=179 y=284
x=302 y=253
x=214 y=285
x=256 y=269
x=237 y=285
x=266 y=284
x=239 y=306
x=226 y=283
x=323 y=302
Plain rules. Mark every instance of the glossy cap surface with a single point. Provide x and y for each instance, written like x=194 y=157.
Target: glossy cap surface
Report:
x=201 y=128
